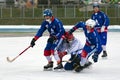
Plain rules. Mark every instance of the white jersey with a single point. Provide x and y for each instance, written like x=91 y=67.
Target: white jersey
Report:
x=73 y=47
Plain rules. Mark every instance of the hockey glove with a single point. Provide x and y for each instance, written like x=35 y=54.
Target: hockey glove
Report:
x=95 y=57
x=32 y=42
x=52 y=39
x=71 y=31
x=104 y=29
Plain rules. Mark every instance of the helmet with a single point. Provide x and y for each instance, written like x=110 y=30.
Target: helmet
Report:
x=95 y=4
x=90 y=23
x=68 y=36
x=47 y=12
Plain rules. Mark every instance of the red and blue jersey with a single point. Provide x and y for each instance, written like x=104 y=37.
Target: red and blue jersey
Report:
x=54 y=28
x=101 y=19
x=92 y=37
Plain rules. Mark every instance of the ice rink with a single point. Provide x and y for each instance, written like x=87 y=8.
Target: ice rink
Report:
x=29 y=66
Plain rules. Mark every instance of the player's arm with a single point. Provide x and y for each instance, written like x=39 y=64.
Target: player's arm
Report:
x=106 y=23
x=60 y=30
x=78 y=25
x=39 y=34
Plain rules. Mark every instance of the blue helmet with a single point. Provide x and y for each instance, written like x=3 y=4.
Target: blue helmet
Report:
x=96 y=5
x=47 y=12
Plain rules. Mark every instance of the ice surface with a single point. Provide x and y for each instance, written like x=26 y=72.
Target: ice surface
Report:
x=29 y=66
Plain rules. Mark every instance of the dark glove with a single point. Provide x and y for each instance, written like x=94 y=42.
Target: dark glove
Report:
x=95 y=57
x=71 y=31
x=32 y=42
x=52 y=39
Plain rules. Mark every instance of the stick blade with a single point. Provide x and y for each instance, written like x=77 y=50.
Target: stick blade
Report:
x=8 y=59
x=67 y=61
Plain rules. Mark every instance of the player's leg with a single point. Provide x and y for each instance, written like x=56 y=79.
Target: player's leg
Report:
x=86 y=52
x=69 y=66
x=104 y=42
x=55 y=54
x=47 y=54
x=96 y=53
x=59 y=63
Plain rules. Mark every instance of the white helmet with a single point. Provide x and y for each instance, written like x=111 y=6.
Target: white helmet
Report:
x=90 y=23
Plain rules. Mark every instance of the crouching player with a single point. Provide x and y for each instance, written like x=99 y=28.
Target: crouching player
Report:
x=92 y=45
x=71 y=45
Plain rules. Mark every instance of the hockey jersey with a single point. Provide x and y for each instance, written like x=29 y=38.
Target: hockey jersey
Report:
x=73 y=47
x=92 y=38
x=54 y=28
x=101 y=19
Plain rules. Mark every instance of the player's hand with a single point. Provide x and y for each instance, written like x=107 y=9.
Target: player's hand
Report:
x=52 y=39
x=102 y=28
x=32 y=42
x=61 y=54
x=71 y=31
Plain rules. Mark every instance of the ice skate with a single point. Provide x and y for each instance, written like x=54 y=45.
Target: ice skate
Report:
x=88 y=64
x=49 y=66
x=77 y=67
x=104 y=54
x=59 y=67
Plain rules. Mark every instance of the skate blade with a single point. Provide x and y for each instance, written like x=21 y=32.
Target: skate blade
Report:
x=77 y=69
x=59 y=70
x=88 y=66
x=104 y=58
x=49 y=69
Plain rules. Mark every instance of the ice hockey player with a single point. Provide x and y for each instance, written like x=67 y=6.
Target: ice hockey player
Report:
x=56 y=30
x=92 y=45
x=73 y=46
x=102 y=21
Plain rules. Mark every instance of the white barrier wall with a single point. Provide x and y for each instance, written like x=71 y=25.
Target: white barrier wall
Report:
x=37 y=26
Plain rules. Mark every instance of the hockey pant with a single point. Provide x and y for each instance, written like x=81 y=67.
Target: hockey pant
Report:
x=87 y=52
x=103 y=37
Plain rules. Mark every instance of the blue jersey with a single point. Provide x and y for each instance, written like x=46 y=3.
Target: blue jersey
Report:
x=54 y=28
x=101 y=19
x=92 y=38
